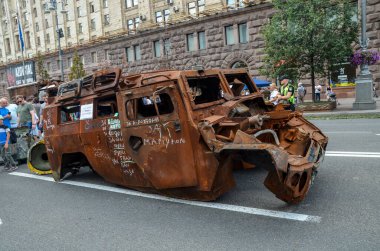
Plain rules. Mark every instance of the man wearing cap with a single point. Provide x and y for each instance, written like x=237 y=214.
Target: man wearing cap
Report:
x=286 y=95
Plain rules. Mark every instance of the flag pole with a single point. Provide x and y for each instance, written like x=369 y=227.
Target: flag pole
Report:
x=21 y=40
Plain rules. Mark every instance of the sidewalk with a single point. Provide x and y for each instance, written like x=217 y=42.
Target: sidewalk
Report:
x=345 y=107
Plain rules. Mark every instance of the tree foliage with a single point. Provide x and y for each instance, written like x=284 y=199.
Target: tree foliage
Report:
x=41 y=70
x=309 y=37
x=76 y=70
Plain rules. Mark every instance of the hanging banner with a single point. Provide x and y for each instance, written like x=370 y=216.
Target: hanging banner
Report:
x=16 y=73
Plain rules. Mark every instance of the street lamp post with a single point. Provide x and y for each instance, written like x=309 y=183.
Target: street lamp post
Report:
x=59 y=34
x=53 y=7
x=364 y=89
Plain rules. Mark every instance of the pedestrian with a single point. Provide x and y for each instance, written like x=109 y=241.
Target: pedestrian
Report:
x=318 y=90
x=5 y=113
x=36 y=106
x=25 y=113
x=41 y=124
x=9 y=164
x=301 y=93
x=286 y=95
x=273 y=93
x=13 y=110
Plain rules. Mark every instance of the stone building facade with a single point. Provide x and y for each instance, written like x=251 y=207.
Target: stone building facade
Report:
x=226 y=39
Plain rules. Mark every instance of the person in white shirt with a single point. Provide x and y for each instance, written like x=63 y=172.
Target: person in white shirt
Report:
x=273 y=93
x=318 y=90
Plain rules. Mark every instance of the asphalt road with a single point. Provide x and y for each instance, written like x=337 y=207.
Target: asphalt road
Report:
x=42 y=215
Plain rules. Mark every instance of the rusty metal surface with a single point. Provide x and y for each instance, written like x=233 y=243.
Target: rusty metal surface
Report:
x=180 y=133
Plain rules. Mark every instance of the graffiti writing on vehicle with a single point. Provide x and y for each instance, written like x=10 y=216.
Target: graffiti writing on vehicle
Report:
x=146 y=121
x=116 y=154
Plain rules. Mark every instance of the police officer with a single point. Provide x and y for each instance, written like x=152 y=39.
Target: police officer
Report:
x=286 y=95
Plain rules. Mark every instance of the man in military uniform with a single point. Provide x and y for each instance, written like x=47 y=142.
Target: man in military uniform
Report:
x=286 y=95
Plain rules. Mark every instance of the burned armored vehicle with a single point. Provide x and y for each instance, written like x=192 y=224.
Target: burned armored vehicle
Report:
x=179 y=133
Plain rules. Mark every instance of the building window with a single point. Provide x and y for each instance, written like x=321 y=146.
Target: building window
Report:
x=131 y=3
x=190 y=42
x=7 y=46
x=38 y=41
x=229 y=33
x=195 y=7
x=166 y=15
x=137 y=21
x=106 y=19
x=68 y=31
x=167 y=46
x=79 y=12
x=81 y=58
x=137 y=51
x=243 y=33
x=129 y=54
x=132 y=24
x=93 y=24
x=5 y=25
x=80 y=28
x=48 y=38
x=239 y=64
x=162 y=16
x=37 y=27
x=159 y=17
x=201 y=40
x=105 y=3
x=46 y=23
x=35 y=12
x=107 y=55
x=27 y=40
x=94 y=57
x=17 y=38
x=92 y=7
x=70 y=62
x=25 y=17
x=157 y=48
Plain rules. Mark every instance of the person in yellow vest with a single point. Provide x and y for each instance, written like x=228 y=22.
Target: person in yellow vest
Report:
x=286 y=95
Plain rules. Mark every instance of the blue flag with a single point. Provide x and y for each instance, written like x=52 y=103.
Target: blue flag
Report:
x=20 y=36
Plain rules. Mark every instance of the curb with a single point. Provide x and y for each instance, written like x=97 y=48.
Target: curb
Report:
x=326 y=114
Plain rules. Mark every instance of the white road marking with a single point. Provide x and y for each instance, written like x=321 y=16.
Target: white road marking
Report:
x=378 y=134
x=233 y=208
x=353 y=154
x=1 y=222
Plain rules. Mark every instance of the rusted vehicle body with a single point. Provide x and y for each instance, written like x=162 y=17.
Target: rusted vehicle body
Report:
x=179 y=133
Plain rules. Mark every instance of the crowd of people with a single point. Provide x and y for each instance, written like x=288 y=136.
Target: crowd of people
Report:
x=22 y=113
x=289 y=95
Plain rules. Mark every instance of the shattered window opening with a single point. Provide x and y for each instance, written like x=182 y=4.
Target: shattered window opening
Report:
x=205 y=90
x=70 y=113
x=235 y=80
x=144 y=107
x=106 y=106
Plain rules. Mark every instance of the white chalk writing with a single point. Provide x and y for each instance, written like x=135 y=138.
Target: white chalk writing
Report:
x=142 y=121
x=164 y=141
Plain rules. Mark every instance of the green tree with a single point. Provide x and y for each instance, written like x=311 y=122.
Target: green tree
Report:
x=307 y=38
x=41 y=70
x=76 y=70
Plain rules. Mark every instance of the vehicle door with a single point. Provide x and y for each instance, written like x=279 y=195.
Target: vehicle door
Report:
x=156 y=136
